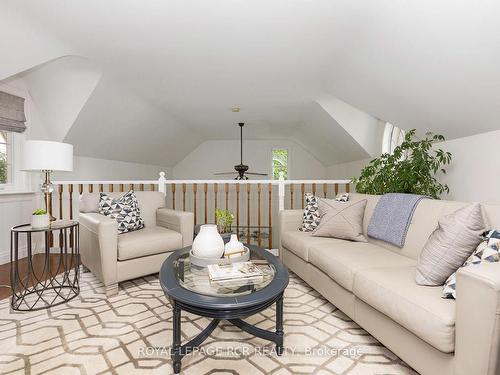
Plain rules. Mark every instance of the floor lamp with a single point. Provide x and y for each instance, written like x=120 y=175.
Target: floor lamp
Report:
x=46 y=157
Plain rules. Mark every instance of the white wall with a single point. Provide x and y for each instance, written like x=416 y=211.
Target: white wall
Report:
x=221 y=156
x=101 y=169
x=474 y=173
x=346 y=170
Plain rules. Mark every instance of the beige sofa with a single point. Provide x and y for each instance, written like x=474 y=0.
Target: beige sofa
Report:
x=374 y=284
x=115 y=258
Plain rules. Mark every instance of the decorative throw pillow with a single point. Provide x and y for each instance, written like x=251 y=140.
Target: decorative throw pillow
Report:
x=342 y=197
x=488 y=251
x=456 y=237
x=125 y=210
x=310 y=217
x=341 y=220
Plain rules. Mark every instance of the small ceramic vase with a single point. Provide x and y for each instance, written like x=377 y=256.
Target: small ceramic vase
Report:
x=208 y=243
x=233 y=246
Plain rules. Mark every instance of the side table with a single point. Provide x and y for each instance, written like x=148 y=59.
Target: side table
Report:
x=37 y=289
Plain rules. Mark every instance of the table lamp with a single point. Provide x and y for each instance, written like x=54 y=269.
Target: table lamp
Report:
x=46 y=157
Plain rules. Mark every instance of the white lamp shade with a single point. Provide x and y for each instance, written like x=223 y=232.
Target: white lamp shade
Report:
x=47 y=156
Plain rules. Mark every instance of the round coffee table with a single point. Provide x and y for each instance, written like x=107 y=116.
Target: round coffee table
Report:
x=189 y=288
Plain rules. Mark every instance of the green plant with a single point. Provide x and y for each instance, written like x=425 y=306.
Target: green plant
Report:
x=40 y=211
x=224 y=219
x=3 y=168
x=412 y=168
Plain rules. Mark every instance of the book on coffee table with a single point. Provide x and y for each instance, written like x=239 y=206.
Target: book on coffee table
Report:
x=234 y=271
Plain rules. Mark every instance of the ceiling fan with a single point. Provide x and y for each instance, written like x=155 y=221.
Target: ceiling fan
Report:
x=241 y=168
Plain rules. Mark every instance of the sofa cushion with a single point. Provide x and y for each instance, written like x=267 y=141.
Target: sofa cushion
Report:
x=419 y=309
x=299 y=242
x=148 y=241
x=342 y=259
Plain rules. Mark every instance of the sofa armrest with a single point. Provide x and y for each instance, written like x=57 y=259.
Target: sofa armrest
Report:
x=477 y=329
x=99 y=246
x=180 y=221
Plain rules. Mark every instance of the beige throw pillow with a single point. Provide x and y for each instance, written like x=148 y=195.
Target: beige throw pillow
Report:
x=456 y=237
x=341 y=219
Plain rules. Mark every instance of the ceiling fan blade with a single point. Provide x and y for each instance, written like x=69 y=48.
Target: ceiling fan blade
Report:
x=257 y=174
x=225 y=173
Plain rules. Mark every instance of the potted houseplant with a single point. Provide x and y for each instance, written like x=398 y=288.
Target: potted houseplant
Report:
x=224 y=220
x=412 y=168
x=40 y=219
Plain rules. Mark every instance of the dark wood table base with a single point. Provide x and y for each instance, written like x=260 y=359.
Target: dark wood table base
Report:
x=233 y=316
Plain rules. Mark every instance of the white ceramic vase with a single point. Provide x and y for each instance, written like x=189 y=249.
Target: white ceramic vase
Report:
x=233 y=246
x=40 y=221
x=208 y=243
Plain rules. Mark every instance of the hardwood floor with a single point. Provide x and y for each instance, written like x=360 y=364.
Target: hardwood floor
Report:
x=38 y=263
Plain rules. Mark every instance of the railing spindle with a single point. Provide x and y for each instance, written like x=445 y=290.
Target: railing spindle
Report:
x=314 y=189
x=111 y=188
x=60 y=190
x=226 y=192
x=291 y=196
x=152 y=187
x=325 y=190
x=172 y=188
x=141 y=187
x=91 y=188
x=336 y=187
x=216 y=190
x=131 y=186
x=248 y=213
x=195 y=189
x=258 y=214
x=121 y=188
x=183 y=197
x=205 y=213
x=270 y=193
x=302 y=191
x=347 y=188
x=238 y=206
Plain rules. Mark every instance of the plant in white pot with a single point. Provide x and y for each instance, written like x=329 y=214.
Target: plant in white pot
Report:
x=40 y=219
x=224 y=220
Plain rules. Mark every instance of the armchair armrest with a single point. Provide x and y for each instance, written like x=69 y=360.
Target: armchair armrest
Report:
x=180 y=221
x=99 y=246
x=477 y=328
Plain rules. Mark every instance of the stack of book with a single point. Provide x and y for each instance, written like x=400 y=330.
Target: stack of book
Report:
x=234 y=273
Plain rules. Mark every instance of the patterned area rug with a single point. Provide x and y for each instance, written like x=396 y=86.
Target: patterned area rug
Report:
x=131 y=334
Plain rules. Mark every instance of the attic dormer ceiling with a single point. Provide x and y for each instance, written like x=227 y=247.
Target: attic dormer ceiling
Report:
x=171 y=70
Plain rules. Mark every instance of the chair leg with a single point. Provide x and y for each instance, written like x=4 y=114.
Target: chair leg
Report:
x=85 y=269
x=111 y=290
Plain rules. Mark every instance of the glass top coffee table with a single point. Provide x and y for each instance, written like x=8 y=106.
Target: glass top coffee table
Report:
x=189 y=288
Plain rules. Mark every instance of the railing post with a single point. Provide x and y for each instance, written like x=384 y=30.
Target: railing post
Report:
x=281 y=192
x=162 y=183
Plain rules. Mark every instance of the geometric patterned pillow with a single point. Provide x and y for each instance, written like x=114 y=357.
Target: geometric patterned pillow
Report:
x=125 y=210
x=342 y=197
x=487 y=251
x=310 y=217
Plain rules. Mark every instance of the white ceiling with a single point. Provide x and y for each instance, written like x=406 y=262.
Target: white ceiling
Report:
x=172 y=69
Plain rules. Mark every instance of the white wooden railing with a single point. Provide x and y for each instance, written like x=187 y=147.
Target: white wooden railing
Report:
x=255 y=203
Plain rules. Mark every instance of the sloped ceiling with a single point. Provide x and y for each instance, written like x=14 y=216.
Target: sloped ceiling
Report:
x=172 y=70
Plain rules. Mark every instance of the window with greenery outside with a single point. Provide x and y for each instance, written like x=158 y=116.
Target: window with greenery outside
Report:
x=280 y=163
x=4 y=166
x=411 y=168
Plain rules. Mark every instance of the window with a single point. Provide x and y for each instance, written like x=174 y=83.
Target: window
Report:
x=5 y=157
x=393 y=137
x=280 y=163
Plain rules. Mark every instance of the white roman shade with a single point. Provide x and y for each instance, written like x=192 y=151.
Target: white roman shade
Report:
x=12 y=113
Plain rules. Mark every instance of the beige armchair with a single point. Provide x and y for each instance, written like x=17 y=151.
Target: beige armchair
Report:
x=114 y=258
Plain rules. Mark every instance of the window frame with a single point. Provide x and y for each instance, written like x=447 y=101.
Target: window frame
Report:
x=393 y=137
x=287 y=162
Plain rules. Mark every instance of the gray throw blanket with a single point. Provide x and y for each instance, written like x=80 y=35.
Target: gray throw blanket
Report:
x=392 y=217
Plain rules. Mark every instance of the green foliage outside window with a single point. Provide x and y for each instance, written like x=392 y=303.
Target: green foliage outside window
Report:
x=280 y=163
x=3 y=158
